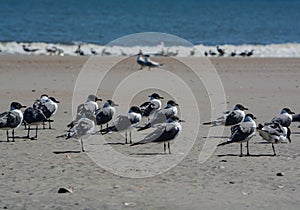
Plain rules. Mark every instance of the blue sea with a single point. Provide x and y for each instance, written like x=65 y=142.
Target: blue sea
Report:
x=208 y=22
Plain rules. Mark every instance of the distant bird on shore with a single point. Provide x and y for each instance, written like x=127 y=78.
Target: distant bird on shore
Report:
x=105 y=52
x=83 y=128
x=192 y=52
x=123 y=53
x=33 y=117
x=106 y=113
x=150 y=63
x=152 y=105
x=12 y=119
x=164 y=133
x=220 y=51
x=51 y=50
x=232 y=54
x=285 y=117
x=212 y=53
x=162 y=115
x=78 y=51
x=140 y=59
x=28 y=49
x=48 y=105
x=250 y=53
x=230 y=118
x=274 y=133
x=94 y=52
x=244 y=53
x=170 y=53
x=243 y=133
x=125 y=123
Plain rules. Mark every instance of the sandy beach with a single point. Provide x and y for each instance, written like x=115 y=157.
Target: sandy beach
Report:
x=32 y=171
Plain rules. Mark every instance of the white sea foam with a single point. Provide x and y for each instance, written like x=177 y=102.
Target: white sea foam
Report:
x=272 y=50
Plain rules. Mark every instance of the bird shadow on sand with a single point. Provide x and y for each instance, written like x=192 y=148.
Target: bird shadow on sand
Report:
x=148 y=153
x=216 y=137
x=115 y=143
x=19 y=137
x=67 y=151
x=295 y=132
x=251 y=155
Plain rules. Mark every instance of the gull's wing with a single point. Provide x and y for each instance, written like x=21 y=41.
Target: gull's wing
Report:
x=233 y=118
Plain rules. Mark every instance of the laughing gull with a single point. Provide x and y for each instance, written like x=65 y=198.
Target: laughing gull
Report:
x=152 y=105
x=12 y=119
x=48 y=105
x=82 y=129
x=78 y=51
x=33 y=117
x=250 y=53
x=106 y=113
x=220 y=51
x=140 y=59
x=90 y=104
x=284 y=118
x=274 y=133
x=27 y=49
x=150 y=63
x=230 y=118
x=243 y=133
x=164 y=133
x=125 y=122
x=88 y=109
x=162 y=115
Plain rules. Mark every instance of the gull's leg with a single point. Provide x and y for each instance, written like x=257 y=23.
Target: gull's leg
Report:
x=241 y=150
x=274 y=149
x=82 y=148
x=248 y=148
x=7 y=138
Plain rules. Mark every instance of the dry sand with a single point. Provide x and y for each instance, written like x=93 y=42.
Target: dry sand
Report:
x=31 y=173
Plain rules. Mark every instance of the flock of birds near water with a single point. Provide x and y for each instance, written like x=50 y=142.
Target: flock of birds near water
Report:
x=53 y=50
x=166 y=123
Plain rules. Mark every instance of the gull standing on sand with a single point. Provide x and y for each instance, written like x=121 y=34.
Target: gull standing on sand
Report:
x=33 y=117
x=88 y=109
x=164 y=133
x=243 y=133
x=285 y=117
x=125 y=123
x=12 y=119
x=140 y=59
x=162 y=115
x=274 y=133
x=152 y=105
x=230 y=118
x=81 y=130
x=150 y=63
x=48 y=105
x=106 y=113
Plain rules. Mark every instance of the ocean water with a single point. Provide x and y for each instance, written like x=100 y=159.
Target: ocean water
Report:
x=201 y=22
